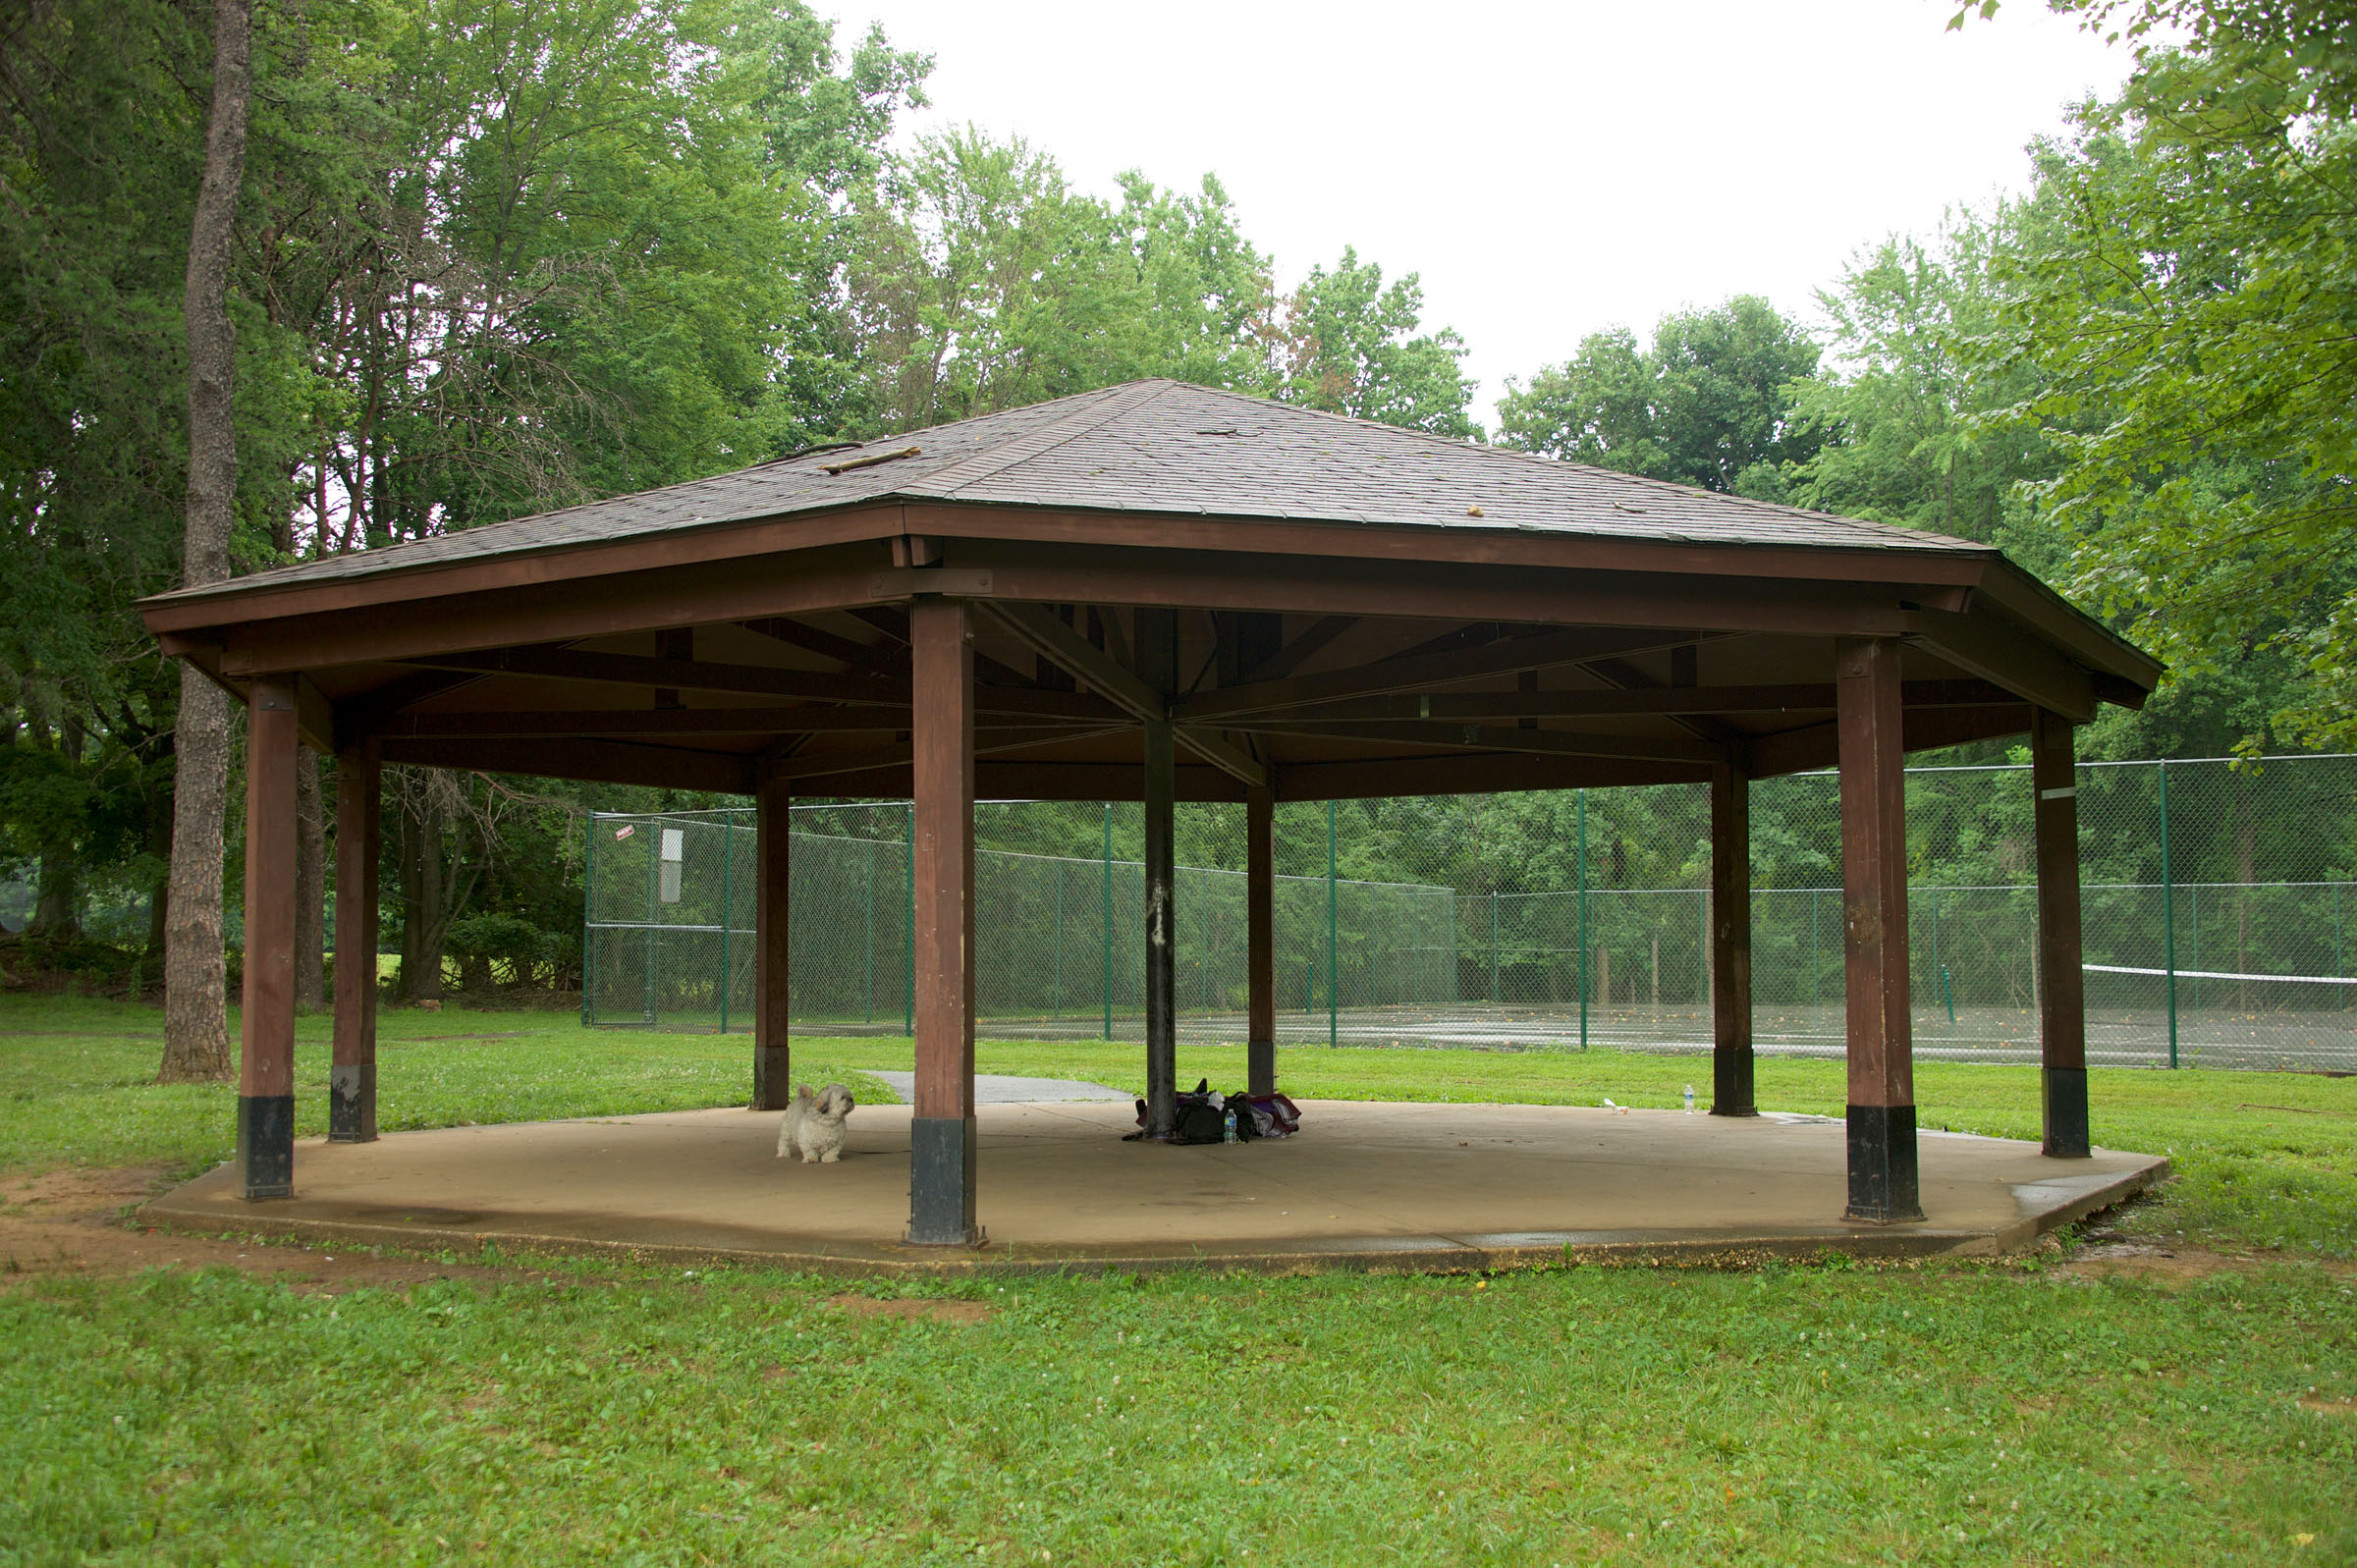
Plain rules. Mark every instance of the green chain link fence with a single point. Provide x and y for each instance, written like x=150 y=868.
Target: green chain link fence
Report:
x=2219 y=905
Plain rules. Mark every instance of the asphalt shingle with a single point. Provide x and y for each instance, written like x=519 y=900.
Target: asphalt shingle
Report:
x=1163 y=447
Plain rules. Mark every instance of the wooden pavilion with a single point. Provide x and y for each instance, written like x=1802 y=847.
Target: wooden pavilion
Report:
x=1166 y=592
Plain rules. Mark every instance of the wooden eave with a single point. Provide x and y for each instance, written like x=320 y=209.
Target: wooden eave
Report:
x=540 y=662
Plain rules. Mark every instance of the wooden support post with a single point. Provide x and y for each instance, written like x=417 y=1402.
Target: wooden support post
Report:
x=2062 y=999
x=1731 y=1093
x=1260 y=939
x=266 y=1055
x=1883 y=1179
x=773 y=1063
x=352 y=1076
x=942 y=1147
x=1158 y=667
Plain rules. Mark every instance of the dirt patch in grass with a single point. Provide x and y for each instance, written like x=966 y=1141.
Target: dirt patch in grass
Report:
x=70 y=1222
x=2324 y=1406
x=910 y=1308
x=2168 y=1265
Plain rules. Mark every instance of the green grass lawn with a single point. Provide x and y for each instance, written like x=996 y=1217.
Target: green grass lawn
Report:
x=1948 y=1413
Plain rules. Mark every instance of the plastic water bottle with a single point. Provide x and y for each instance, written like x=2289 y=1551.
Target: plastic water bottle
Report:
x=1689 y=1100
x=1227 y=1130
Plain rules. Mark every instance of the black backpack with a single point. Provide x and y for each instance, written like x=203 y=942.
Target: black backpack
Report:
x=1201 y=1117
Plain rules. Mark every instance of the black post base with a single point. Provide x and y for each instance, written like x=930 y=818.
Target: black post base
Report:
x=266 y=1146
x=2065 y=1092
x=1260 y=1067
x=941 y=1183
x=1883 y=1188
x=352 y=1103
x=771 y=1071
x=1731 y=1093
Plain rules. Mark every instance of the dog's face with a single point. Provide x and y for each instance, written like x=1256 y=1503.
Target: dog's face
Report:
x=837 y=1103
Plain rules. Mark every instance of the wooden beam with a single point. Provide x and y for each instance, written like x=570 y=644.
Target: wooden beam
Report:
x=2009 y=655
x=598 y=761
x=2061 y=984
x=1731 y=1063
x=1792 y=697
x=988 y=743
x=857 y=532
x=1884 y=1182
x=887 y=657
x=1298 y=652
x=1815 y=746
x=941 y=1130
x=684 y=675
x=1046 y=634
x=265 y=1157
x=1683 y=660
x=1324 y=587
x=662 y=597
x=1548 y=649
x=1260 y=941
x=1496 y=737
x=1496 y=772
x=1158 y=668
x=315 y=717
x=1021 y=777
x=357 y=718
x=810 y=718
x=773 y=882
x=892 y=620
x=801 y=582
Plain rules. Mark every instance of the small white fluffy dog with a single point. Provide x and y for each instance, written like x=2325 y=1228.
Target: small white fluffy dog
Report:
x=813 y=1125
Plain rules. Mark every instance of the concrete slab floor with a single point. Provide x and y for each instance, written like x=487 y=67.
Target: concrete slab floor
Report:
x=1391 y=1186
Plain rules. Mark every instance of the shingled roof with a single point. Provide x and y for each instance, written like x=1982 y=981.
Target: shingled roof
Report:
x=1160 y=447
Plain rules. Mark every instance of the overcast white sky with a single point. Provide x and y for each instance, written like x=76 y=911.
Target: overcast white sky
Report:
x=1548 y=169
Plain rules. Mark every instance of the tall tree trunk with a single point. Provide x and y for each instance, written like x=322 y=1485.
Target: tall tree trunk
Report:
x=311 y=883
x=423 y=922
x=195 y=981
x=58 y=910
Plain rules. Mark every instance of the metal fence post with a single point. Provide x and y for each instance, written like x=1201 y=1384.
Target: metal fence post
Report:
x=654 y=873
x=1492 y=947
x=1332 y=1003
x=868 y=981
x=588 y=893
x=1056 y=982
x=1109 y=920
x=1702 y=945
x=728 y=870
x=2168 y=918
x=1936 y=965
x=1814 y=958
x=1582 y=817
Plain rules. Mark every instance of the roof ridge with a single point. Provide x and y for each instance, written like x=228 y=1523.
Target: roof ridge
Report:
x=1047 y=438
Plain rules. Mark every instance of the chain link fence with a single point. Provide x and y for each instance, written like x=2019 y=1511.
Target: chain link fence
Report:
x=2219 y=905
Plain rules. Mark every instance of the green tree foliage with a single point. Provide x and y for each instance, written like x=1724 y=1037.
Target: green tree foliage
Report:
x=2190 y=330
x=1349 y=344
x=1709 y=404
x=986 y=282
x=1901 y=406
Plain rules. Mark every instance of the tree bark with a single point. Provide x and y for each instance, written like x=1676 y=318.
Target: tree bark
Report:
x=310 y=886
x=425 y=921
x=58 y=911
x=195 y=999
